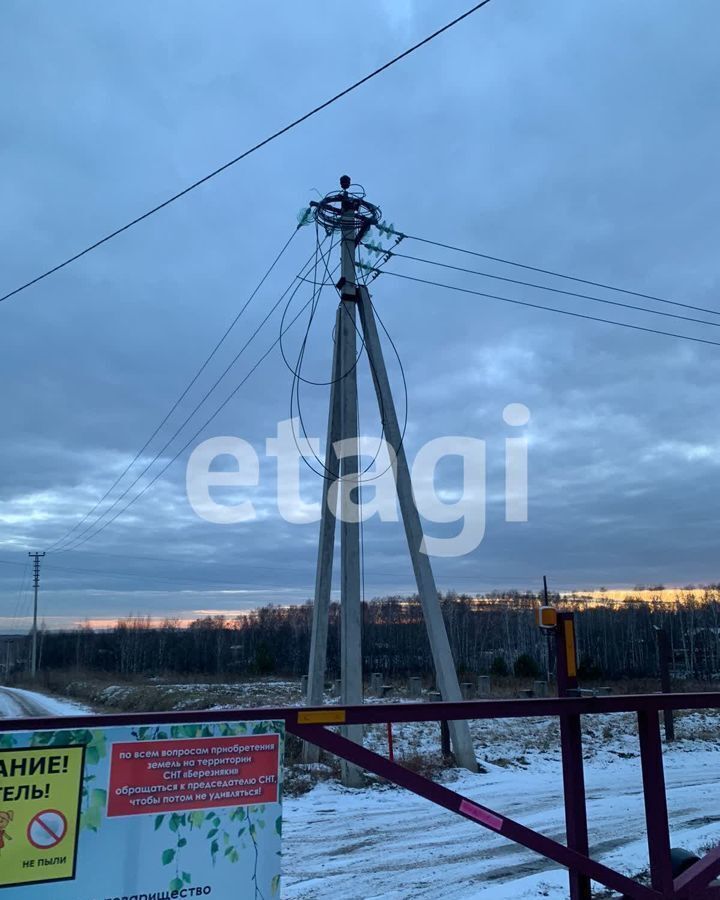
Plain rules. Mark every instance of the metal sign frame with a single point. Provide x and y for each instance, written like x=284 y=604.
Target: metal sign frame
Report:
x=314 y=725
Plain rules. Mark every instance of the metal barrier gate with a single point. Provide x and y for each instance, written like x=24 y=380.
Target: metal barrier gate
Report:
x=312 y=725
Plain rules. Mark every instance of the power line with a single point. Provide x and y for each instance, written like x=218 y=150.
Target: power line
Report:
x=600 y=284
x=197 y=433
x=554 y=290
x=248 y=152
x=182 y=396
x=21 y=594
x=78 y=540
x=296 y=372
x=563 y=312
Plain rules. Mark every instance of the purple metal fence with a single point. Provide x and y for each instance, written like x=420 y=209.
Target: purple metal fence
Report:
x=315 y=725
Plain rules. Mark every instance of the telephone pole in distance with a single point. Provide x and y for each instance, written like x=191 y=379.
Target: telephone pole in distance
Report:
x=36 y=584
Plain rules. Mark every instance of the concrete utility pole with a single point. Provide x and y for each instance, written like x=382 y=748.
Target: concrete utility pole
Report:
x=353 y=216
x=326 y=551
x=350 y=608
x=36 y=584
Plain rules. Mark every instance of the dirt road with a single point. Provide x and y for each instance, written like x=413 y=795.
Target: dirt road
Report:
x=15 y=703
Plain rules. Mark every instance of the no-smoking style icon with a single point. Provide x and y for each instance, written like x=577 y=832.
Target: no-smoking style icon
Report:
x=47 y=829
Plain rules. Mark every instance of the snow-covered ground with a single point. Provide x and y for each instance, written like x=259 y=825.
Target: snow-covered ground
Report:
x=15 y=703
x=159 y=694
x=383 y=843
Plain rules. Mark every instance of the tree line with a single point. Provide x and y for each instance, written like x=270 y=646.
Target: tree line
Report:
x=490 y=634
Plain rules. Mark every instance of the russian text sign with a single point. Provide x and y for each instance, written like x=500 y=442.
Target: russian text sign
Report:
x=155 y=811
x=204 y=773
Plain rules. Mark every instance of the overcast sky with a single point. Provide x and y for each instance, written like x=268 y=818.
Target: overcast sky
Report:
x=567 y=134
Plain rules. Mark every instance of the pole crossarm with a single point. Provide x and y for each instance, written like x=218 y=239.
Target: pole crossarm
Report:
x=326 y=550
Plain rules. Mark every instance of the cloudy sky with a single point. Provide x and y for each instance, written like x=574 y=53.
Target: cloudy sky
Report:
x=575 y=136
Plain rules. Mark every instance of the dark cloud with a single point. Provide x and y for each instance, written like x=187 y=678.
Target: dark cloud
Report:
x=575 y=136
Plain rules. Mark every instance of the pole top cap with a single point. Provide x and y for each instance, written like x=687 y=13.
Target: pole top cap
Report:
x=345 y=182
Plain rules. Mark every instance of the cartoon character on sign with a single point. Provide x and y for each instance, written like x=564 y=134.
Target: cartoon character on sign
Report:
x=5 y=819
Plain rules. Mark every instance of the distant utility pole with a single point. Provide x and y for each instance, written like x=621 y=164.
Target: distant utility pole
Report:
x=36 y=584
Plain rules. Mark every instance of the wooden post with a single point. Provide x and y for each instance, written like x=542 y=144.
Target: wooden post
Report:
x=326 y=549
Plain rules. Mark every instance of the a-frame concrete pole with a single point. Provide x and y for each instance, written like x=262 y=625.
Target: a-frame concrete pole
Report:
x=326 y=548
x=447 y=679
x=350 y=609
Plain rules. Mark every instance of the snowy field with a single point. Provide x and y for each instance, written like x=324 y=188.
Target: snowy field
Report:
x=383 y=843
